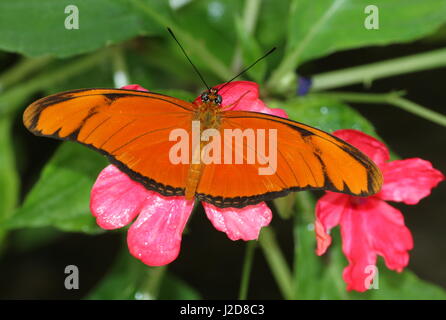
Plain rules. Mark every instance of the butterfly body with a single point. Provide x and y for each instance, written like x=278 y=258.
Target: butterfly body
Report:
x=208 y=114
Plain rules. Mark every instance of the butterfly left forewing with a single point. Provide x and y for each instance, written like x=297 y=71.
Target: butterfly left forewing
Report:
x=130 y=127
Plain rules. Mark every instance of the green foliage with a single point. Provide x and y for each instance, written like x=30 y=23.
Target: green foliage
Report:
x=325 y=114
x=318 y=28
x=251 y=52
x=37 y=27
x=60 y=197
x=9 y=179
x=130 y=279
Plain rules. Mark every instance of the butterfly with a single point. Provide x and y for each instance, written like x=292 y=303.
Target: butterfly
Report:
x=132 y=129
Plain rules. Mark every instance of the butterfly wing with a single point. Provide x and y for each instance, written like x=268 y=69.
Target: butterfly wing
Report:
x=130 y=127
x=307 y=158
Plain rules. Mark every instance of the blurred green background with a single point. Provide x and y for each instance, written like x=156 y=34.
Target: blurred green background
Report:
x=387 y=82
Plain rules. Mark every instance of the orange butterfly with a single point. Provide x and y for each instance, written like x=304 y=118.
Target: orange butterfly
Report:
x=132 y=129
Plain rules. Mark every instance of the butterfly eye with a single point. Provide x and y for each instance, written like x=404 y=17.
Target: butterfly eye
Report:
x=218 y=99
x=205 y=97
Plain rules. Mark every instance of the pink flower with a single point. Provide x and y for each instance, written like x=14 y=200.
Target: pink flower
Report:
x=155 y=236
x=369 y=226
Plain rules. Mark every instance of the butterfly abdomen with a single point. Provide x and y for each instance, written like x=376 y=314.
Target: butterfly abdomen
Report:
x=193 y=178
x=209 y=118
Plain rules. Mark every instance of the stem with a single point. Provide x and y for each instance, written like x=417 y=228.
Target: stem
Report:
x=305 y=206
x=284 y=76
x=419 y=110
x=9 y=178
x=120 y=73
x=393 y=98
x=154 y=279
x=13 y=98
x=304 y=242
x=21 y=70
x=250 y=15
x=194 y=45
x=247 y=267
x=369 y=72
x=276 y=261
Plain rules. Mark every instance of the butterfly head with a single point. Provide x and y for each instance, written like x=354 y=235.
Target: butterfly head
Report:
x=211 y=96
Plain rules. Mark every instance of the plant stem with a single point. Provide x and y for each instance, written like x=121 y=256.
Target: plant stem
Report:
x=21 y=70
x=155 y=276
x=305 y=206
x=193 y=45
x=250 y=15
x=284 y=76
x=303 y=244
x=276 y=261
x=246 y=271
x=13 y=98
x=393 y=98
x=369 y=72
x=419 y=110
x=120 y=73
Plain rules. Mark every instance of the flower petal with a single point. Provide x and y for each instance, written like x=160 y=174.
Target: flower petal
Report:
x=134 y=87
x=244 y=95
x=155 y=236
x=244 y=223
x=371 y=227
x=373 y=148
x=323 y=238
x=408 y=180
x=329 y=210
x=116 y=199
x=357 y=249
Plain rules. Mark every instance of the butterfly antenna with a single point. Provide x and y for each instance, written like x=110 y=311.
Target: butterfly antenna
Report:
x=187 y=57
x=249 y=67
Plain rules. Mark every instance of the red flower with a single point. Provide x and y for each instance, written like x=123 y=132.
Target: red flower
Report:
x=155 y=236
x=369 y=226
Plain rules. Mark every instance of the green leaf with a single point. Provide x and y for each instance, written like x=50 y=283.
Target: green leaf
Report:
x=60 y=198
x=405 y=285
x=271 y=31
x=37 y=27
x=213 y=22
x=177 y=93
x=324 y=113
x=131 y=279
x=318 y=28
x=99 y=76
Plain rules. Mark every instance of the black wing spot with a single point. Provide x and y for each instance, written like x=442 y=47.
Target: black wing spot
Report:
x=112 y=97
